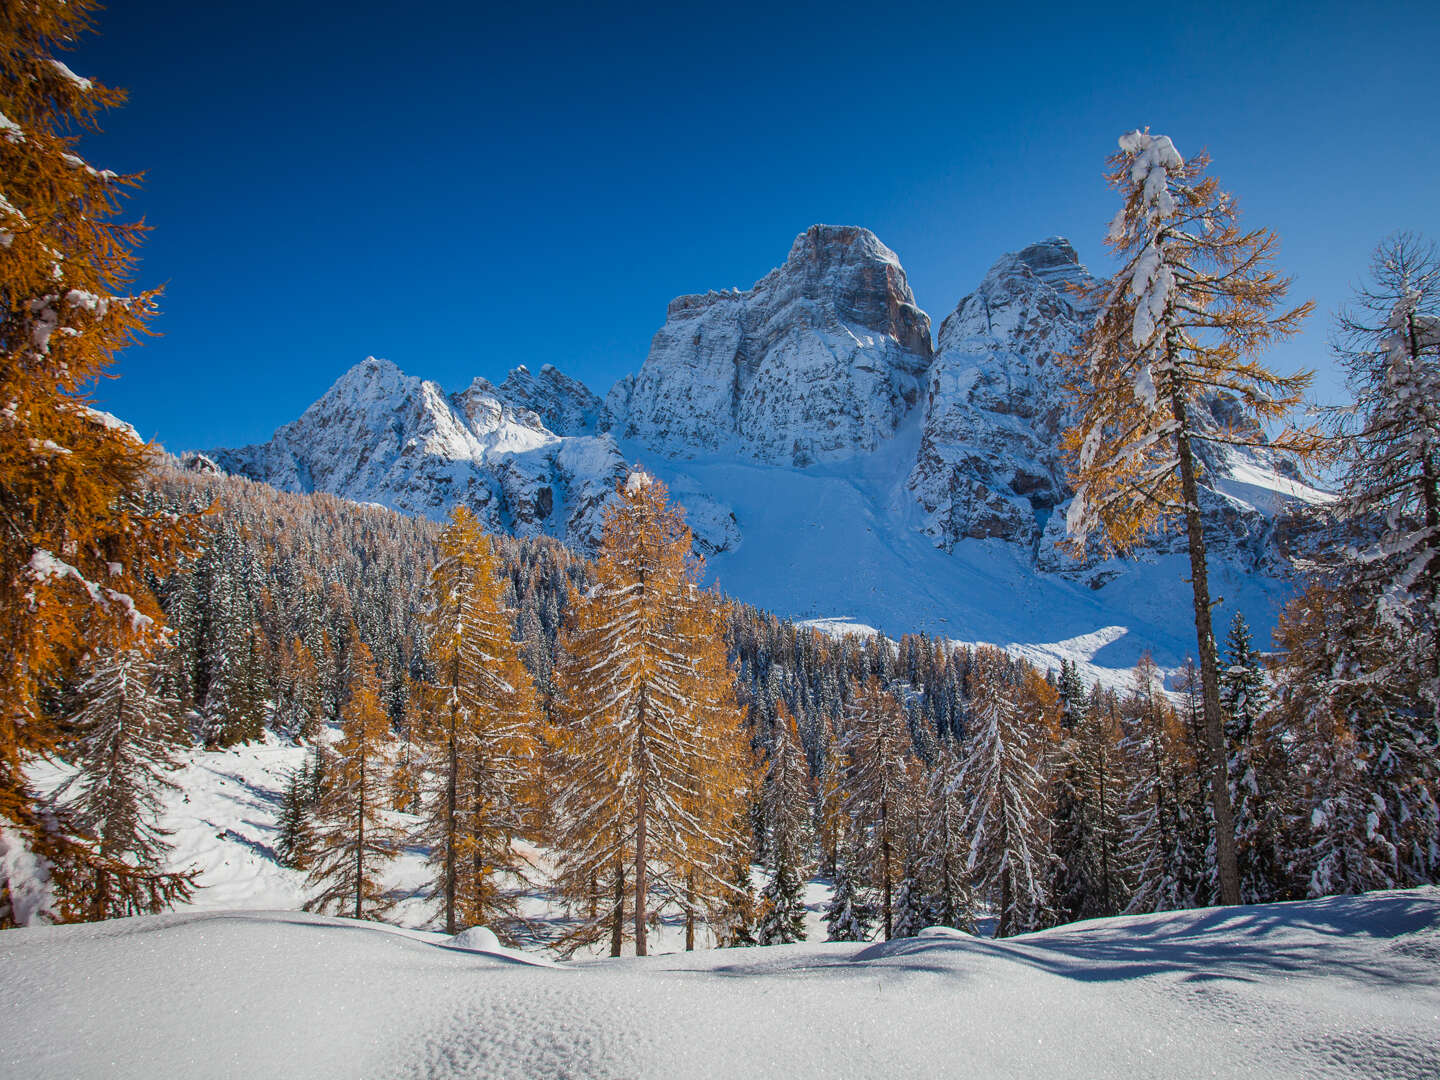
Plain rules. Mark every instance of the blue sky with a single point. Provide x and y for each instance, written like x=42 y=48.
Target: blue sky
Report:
x=462 y=188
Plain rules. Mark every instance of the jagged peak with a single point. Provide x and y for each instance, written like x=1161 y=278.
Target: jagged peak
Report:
x=1053 y=260
x=820 y=242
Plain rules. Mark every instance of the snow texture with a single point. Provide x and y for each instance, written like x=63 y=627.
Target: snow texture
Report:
x=1346 y=987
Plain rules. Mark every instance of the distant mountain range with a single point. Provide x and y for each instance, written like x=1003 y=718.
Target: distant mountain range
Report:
x=833 y=459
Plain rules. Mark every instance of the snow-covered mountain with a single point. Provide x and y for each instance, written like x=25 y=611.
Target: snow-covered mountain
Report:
x=833 y=461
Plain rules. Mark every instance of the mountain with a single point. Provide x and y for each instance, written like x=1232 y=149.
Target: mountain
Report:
x=379 y=435
x=832 y=460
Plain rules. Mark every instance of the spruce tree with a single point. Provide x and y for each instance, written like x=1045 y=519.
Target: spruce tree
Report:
x=849 y=916
x=1155 y=842
x=944 y=847
x=1089 y=792
x=1193 y=303
x=787 y=820
x=124 y=740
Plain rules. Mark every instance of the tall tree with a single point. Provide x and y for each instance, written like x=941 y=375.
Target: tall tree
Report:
x=1089 y=792
x=77 y=547
x=877 y=745
x=1389 y=344
x=646 y=726
x=481 y=735
x=944 y=846
x=353 y=842
x=1194 y=302
x=785 y=796
x=1153 y=743
x=1010 y=861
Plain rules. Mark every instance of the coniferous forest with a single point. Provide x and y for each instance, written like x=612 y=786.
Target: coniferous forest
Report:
x=590 y=751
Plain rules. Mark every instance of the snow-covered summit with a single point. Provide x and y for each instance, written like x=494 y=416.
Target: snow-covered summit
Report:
x=820 y=360
x=565 y=405
x=379 y=435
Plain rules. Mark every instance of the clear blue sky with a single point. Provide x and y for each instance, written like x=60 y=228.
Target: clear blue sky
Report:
x=462 y=188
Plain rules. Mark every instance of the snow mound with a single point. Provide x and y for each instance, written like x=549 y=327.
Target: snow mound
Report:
x=477 y=939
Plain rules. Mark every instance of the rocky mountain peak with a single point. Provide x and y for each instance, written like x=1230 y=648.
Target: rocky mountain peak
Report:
x=820 y=360
x=566 y=406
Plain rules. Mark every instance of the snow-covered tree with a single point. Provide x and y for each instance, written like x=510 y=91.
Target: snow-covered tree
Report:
x=124 y=739
x=1194 y=301
x=941 y=867
x=877 y=745
x=78 y=547
x=1088 y=796
x=1012 y=711
x=353 y=842
x=785 y=796
x=304 y=785
x=850 y=915
x=1389 y=343
x=1258 y=770
x=1157 y=844
x=480 y=736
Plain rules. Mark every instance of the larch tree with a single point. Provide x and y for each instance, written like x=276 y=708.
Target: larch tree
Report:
x=1012 y=709
x=77 y=546
x=124 y=735
x=785 y=796
x=1183 y=320
x=877 y=746
x=481 y=736
x=646 y=729
x=1389 y=344
x=352 y=841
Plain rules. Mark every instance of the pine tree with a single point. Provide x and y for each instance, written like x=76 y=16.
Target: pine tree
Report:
x=944 y=849
x=1258 y=770
x=1194 y=301
x=124 y=739
x=734 y=915
x=1012 y=708
x=481 y=736
x=1089 y=793
x=303 y=787
x=1389 y=344
x=849 y=916
x=646 y=728
x=353 y=843
x=787 y=820
x=77 y=548
x=876 y=744
x=1155 y=843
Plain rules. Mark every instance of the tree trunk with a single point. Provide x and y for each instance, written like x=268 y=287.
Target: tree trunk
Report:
x=885 y=865
x=617 y=922
x=452 y=780
x=360 y=843
x=1225 y=860
x=690 y=911
x=642 y=812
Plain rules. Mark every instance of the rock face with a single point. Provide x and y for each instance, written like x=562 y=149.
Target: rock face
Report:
x=989 y=459
x=564 y=405
x=379 y=435
x=819 y=361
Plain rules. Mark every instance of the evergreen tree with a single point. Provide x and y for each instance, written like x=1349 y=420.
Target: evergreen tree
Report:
x=353 y=842
x=125 y=735
x=78 y=548
x=303 y=787
x=1005 y=825
x=787 y=819
x=1089 y=792
x=1389 y=344
x=1194 y=301
x=849 y=916
x=1156 y=847
x=1258 y=770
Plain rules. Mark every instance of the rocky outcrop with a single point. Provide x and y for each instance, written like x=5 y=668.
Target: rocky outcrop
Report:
x=564 y=405
x=819 y=361
x=989 y=459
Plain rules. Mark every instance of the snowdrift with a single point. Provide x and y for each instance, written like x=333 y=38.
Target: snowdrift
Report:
x=1345 y=987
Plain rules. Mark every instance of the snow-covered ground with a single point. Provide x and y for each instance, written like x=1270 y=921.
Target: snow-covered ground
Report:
x=1334 y=988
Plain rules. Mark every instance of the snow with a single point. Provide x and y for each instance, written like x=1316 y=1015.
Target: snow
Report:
x=28 y=878
x=1346 y=987
x=80 y=83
